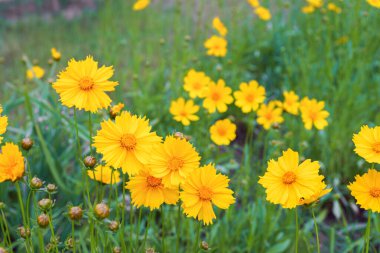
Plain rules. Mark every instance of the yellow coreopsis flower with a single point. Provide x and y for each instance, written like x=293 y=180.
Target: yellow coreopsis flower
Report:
x=219 y=26
x=367 y=143
x=195 y=83
x=223 y=132
x=322 y=191
x=268 y=115
x=35 y=72
x=286 y=181
x=104 y=174
x=315 y=3
x=184 y=111
x=126 y=143
x=216 y=46
x=254 y=3
x=173 y=161
x=3 y=123
x=366 y=190
x=149 y=191
x=308 y=9
x=334 y=8
x=203 y=188
x=140 y=5
x=217 y=97
x=263 y=13
x=291 y=103
x=12 y=165
x=55 y=54
x=374 y=3
x=250 y=96
x=313 y=114
x=83 y=85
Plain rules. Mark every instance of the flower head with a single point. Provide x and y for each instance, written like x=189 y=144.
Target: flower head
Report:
x=3 y=123
x=315 y=3
x=140 y=5
x=308 y=9
x=219 y=26
x=313 y=113
x=367 y=143
x=217 y=97
x=366 y=190
x=286 y=181
x=83 y=85
x=250 y=96
x=216 y=46
x=269 y=115
x=322 y=191
x=104 y=174
x=116 y=109
x=263 y=13
x=35 y=72
x=334 y=8
x=203 y=188
x=374 y=3
x=196 y=83
x=11 y=163
x=173 y=161
x=126 y=142
x=290 y=103
x=254 y=3
x=184 y=111
x=223 y=132
x=55 y=54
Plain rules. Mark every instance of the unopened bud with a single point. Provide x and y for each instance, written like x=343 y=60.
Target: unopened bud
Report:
x=69 y=243
x=204 y=245
x=43 y=220
x=51 y=188
x=24 y=232
x=36 y=183
x=75 y=213
x=89 y=161
x=27 y=143
x=45 y=204
x=113 y=226
x=2 y=205
x=150 y=250
x=102 y=211
x=116 y=250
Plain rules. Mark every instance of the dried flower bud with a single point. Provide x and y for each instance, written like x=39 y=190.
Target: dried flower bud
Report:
x=50 y=80
x=24 y=232
x=2 y=205
x=49 y=247
x=204 y=245
x=50 y=61
x=45 y=204
x=52 y=188
x=27 y=143
x=89 y=161
x=3 y=250
x=116 y=250
x=102 y=211
x=276 y=126
x=75 y=213
x=43 y=220
x=187 y=38
x=69 y=243
x=36 y=183
x=162 y=41
x=179 y=135
x=150 y=250
x=113 y=226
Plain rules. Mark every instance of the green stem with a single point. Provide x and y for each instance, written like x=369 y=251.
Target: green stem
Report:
x=316 y=230
x=19 y=195
x=6 y=234
x=297 y=229
x=90 y=130
x=163 y=229
x=368 y=233
x=178 y=231
x=138 y=228
x=73 y=235
x=198 y=234
x=146 y=230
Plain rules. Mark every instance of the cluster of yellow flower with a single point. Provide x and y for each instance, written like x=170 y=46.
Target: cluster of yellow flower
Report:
x=313 y=5
x=262 y=12
x=217 y=45
x=38 y=72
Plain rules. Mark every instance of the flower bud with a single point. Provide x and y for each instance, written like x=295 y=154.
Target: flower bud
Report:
x=204 y=245
x=51 y=188
x=24 y=232
x=102 y=211
x=45 y=204
x=2 y=205
x=3 y=250
x=69 y=243
x=36 y=183
x=75 y=213
x=43 y=220
x=113 y=226
x=27 y=143
x=179 y=135
x=89 y=161
x=150 y=250
x=116 y=250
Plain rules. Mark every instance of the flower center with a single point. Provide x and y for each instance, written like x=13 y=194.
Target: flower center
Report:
x=313 y=115
x=374 y=192
x=175 y=163
x=205 y=193
x=250 y=97
x=222 y=131
x=153 y=181
x=128 y=141
x=376 y=147
x=183 y=114
x=215 y=96
x=197 y=86
x=86 y=83
x=289 y=177
x=268 y=116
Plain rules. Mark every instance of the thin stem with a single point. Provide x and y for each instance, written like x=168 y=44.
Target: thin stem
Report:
x=73 y=235
x=163 y=229
x=316 y=230
x=6 y=234
x=77 y=134
x=138 y=228
x=123 y=244
x=297 y=230
x=198 y=234
x=178 y=231
x=146 y=230
x=368 y=233
x=90 y=130
x=19 y=195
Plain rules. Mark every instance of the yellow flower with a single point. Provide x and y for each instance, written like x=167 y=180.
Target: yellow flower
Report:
x=313 y=113
x=269 y=115
x=254 y=3
x=83 y=85
x=173 y=161
x=217 y=97
x=315 y=3
x=3 y=123
x=203 y=188
x=367 y=143
x=219 y=26
x=250 y=96
x=55 y=54
x=291 y=103
x=334 y=8
x=104 y=174
x=116 y=109
x=126 y=142
x=184 y=111
x=308 y=9
x=149 y=191
x=11 y=163
x=374 y=3
x=322 y=191
x=196 y=83
x=140 y=5
x=35 y=72
x=263 y=13
x=366 y=190
x=223 y=132
x=286 y=181
x=216 y=46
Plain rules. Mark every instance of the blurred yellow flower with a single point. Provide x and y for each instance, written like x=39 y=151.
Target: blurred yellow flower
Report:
x=184 y=111
x=126 y=143
x=263 y=13
x=374 y=3
x=3 y=123
x=140 y=5
x=250 y=96
x=173 y=161
x=104 y=174
x=12 y=165
x=55 y=54
x=219 y=26
x=308 y=9
x=216 y=46
x=196 y=83
x=223 y=132
x=322 y=191
x=342 y=40
x=203 y=188
x=35 y=72
x=116 y=109
x=334 y=8
x=149 y=191
x=83 y=85
x=313 y=114
x=366 y=190
x=217 y=97
x=286 y=181
x=315 y=3
x=254 y=3
x=291 y=103
x=367 y=143
x=268 y=115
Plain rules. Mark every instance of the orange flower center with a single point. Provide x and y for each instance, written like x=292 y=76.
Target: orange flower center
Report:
x=128 y=141
x=376 y=147
x=153 y=181
x=197 y=85
x=205 y=193
x=215 y=96
x=289 y=177
x=86 y=83
x=175 y=163
x=269 y=116
x=250 y=97
x=374 y=192
x=313 y=115
x=183 y=113
x=222 y=131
